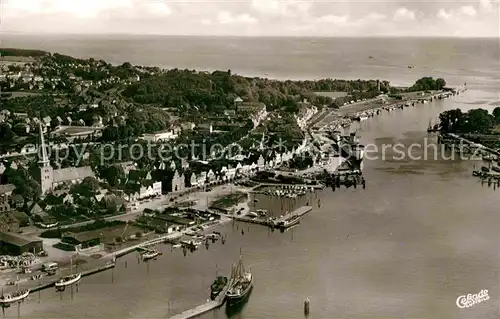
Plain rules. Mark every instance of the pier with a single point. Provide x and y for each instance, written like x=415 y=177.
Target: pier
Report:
x=286 y=186
x=272 y=222
x=84 y=274
x=206 y=307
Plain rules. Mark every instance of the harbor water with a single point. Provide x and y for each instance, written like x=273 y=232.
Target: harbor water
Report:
x=422 y=233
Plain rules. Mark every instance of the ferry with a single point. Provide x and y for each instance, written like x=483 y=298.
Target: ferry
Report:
x=289 y=222
x=242 y=283
x=151 y=254
x=68 y=280
x=17 y=296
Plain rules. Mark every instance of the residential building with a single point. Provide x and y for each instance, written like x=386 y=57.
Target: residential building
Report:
x=207 y=128
x=178 y=182
x=159 y=136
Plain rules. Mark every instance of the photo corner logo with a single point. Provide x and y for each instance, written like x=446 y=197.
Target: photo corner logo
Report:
x=469 y=300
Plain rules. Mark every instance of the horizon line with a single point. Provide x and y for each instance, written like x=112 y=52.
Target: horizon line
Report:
x=17 y=33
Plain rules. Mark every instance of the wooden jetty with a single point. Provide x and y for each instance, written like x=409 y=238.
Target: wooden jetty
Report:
x=170 y=238
x=206 y=307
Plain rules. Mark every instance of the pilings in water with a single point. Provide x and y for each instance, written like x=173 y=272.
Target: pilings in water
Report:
x=306 y=307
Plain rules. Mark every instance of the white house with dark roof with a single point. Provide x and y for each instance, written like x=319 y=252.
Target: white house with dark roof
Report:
x=148 y=191
x=178 y=182
x=46 y=120
x=193 y=180
x=261 y=162
x=211 y=176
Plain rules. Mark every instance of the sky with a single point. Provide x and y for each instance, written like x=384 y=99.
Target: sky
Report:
x=473 y=18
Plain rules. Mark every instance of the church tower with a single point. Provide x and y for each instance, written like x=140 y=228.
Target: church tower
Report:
x=46 y=176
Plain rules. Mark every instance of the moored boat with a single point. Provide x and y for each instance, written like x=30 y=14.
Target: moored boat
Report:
x=17 y=296
x=495 y=169
x=253 y=214
x=242 y=283
x=488 y=158
x=150 y=254
x=68 y=280
x=217 y=286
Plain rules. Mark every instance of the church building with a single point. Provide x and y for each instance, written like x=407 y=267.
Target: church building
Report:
x=50 y=178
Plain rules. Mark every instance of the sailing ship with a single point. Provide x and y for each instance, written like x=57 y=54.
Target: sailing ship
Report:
x=242 y=283
x=68 y=280
x=17 y=296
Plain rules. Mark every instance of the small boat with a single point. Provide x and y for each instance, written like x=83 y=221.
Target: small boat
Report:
x=496 y=169
x=190 y=244
x=213 y=236
x=488 y=158
x=217 y=286
x=177 y=246
x=289 y=222
x=68 y=280
x=242 y=283
x=150 y=254
x=17 y=296
x=253 y=214
x=262 y=212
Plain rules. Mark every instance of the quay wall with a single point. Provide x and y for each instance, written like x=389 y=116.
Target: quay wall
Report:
x=84 y=274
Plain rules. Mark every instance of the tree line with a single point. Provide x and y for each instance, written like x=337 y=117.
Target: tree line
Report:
x=474 y=121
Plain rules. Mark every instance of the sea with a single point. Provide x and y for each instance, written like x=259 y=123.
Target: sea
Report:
x=423 y=233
